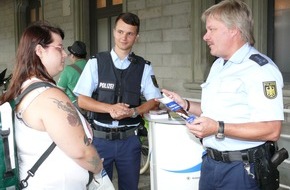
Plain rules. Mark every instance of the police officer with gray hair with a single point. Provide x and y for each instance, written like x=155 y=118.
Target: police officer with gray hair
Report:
x=241 y=109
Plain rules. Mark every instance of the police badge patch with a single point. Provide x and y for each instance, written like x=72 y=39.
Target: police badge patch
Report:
x=270 y=89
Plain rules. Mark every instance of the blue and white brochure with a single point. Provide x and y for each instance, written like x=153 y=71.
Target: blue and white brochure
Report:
x=173 y=106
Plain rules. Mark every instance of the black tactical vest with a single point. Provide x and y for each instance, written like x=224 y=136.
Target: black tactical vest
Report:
x=118 y=86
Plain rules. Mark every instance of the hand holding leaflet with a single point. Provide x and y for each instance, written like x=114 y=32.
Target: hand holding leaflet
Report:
x=173 y=106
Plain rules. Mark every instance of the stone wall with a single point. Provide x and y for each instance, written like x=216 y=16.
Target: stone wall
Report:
x=57 y=12
x=7 y=35
x=165 y=39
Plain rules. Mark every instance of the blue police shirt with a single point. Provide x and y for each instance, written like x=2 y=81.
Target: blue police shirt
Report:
x=248 y=88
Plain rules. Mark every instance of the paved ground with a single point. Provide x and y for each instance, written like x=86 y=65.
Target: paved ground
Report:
x=144 y=182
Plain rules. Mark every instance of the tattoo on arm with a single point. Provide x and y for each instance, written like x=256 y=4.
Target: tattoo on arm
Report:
x=72 y=115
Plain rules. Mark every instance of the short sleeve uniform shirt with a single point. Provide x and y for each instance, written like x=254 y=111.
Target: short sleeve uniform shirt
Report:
x=247 y=88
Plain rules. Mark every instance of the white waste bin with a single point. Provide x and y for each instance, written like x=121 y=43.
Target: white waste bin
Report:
x=175 y=155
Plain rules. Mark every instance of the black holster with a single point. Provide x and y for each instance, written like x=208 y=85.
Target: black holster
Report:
x=142 y=130
x=266 y=172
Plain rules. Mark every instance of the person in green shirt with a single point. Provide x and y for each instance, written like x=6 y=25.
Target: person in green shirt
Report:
x=71 y=73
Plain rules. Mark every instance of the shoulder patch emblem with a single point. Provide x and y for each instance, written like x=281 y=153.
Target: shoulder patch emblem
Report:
x=270 y=89
x=259 y=59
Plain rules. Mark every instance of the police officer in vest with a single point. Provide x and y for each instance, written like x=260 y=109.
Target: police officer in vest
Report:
x=110 y=87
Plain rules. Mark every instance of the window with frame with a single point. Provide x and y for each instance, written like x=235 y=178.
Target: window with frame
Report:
x=280 y=36
x=34 y=11
x=105 y=13
x=28 y=11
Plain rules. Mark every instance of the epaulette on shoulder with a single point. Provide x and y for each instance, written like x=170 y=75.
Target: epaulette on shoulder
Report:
x=133 y=58
x=259 y=59
x=147 y=62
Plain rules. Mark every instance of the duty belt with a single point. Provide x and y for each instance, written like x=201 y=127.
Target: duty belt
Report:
x=230 y=156
x=117 y=133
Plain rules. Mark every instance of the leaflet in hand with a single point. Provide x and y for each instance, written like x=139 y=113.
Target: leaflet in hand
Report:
x=173 y=106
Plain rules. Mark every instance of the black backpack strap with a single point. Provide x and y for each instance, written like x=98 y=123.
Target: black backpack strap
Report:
x=79 y=71
x=8 y=166
x=30 y=88
x=30 y=173
x=76 y=68
x=23 y=183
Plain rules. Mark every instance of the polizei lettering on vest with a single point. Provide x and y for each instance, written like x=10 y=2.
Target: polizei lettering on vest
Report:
x=104 y=85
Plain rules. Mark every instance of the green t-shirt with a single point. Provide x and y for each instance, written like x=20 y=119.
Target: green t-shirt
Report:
x=69 y=78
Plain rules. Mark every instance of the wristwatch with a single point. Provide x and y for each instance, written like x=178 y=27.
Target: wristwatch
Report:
x=220 y=134
x=135 y=113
